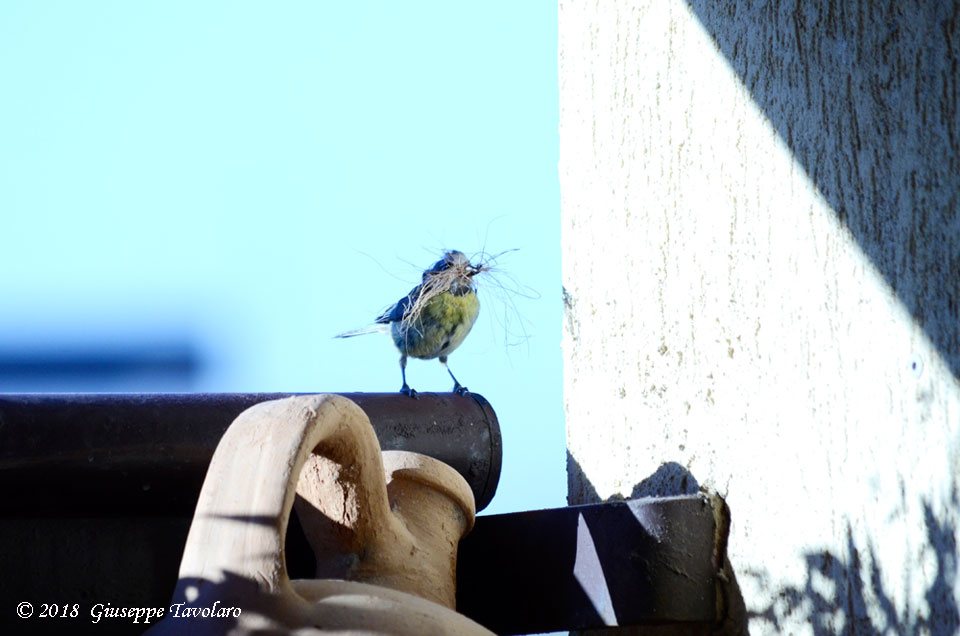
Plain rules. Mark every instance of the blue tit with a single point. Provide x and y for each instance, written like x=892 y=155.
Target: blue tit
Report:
x=435 y=317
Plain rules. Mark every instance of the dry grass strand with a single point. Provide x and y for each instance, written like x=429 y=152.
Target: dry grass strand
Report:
x=458 y=274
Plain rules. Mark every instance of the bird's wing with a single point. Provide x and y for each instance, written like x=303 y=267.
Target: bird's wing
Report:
x=399 y=310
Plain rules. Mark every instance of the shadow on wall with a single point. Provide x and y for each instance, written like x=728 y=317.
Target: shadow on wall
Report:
x=835 y=597
x=866 y=97
x=670 y=480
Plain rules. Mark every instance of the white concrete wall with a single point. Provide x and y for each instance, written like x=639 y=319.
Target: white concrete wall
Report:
x=761 y=270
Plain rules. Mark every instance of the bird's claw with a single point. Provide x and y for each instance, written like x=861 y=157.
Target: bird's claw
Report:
x=406 y=390
x=460 y=389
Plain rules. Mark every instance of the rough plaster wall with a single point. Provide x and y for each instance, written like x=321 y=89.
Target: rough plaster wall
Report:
x=761 y=270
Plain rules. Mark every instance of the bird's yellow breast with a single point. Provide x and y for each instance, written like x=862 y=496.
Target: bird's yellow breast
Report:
x=442 y=325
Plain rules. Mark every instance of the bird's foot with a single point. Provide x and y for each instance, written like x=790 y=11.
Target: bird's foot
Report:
x=406 y=390
x=460 y=389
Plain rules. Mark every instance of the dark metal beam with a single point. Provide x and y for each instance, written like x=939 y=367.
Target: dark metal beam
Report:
x=637 y=562
x=122 y=454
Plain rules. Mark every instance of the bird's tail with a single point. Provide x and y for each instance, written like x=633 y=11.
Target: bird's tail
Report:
x=362 y=331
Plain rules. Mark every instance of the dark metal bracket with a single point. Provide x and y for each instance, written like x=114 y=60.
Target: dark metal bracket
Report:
x=638 y=562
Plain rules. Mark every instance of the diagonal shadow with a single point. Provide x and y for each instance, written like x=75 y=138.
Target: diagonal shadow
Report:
x=866 y=97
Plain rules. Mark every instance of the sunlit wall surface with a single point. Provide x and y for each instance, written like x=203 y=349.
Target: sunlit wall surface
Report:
x=198 y=196
x=760 y=258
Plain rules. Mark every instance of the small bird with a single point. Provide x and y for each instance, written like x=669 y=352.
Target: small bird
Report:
x=434 y=318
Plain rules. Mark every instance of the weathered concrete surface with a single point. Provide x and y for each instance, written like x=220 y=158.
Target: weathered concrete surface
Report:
x=761 y=269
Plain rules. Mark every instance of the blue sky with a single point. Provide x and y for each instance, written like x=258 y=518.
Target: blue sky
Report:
x=245 y=180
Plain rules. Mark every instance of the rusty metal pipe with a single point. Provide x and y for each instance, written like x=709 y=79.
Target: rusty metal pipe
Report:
x=111 y=454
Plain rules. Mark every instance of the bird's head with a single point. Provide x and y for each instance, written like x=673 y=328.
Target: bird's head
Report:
x=453 y=272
